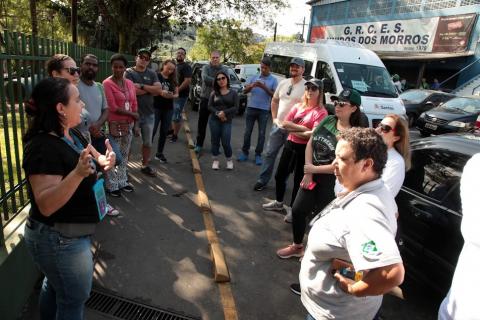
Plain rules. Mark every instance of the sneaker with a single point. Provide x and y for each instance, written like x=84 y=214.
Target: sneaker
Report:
x=115 y=194
x=258 y=186
x=148 y=171
x=174 y=138
x=273 y=206
x=161 y=157
x=295 y=288
x=229 y=165
x=258 y=160
x=216 y=165
x=111 y=211
x=242 y=157
x=288 y=216
x=197 y=149
x=290 y=251
x=128 y=188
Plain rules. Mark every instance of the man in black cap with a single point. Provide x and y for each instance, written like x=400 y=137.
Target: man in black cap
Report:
x=289 y=92
x=261 y=88
x=147 y=85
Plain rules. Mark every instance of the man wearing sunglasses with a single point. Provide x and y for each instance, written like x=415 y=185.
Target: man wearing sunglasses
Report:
x=147 y=85
x=208 y=79
x=289 y=92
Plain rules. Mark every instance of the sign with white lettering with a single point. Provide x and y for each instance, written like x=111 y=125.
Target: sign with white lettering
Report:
x=437 y=34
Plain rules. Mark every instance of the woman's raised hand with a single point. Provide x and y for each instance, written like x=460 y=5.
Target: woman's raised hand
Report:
x=85 y=166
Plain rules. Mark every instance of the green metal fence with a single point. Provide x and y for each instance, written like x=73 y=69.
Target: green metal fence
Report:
x=22 y=65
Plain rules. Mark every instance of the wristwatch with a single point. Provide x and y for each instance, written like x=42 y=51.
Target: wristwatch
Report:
x=141 y=86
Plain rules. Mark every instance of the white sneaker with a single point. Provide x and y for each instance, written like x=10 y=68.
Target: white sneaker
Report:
x=229 y=165
x=273 y=206
x=288 y=216
x=111 y=211
x=216 y=165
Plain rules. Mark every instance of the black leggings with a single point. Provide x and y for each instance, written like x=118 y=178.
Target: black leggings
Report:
x=292 y=160
x=203 y=115
x=311 y=201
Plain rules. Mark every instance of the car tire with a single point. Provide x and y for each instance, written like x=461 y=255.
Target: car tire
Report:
x=411 y=119
x=424 y=133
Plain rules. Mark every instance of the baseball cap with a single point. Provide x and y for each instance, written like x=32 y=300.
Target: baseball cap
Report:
x=298 y=62
x=315 y=82
x=349 y=95
x=266 y=61
x=144 y=50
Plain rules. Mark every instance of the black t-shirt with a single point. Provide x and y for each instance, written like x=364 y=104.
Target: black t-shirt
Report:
x=183 y=71
x=50 y=155
x=161 y=102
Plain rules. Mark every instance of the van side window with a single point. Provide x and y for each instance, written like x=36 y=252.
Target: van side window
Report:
x=324 y=71
x=281 y=65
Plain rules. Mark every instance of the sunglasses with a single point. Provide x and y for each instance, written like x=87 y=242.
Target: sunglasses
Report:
x=290 y=89
x=341 y=104
x=72 y=70
x=385 y=128
x=221 y=78
x=146 y=58
x=311 y=88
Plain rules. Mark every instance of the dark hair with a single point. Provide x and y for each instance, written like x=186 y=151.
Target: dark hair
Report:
x=171 y=78
x=216 y=87
x=43 y=106
x=180 y=48
x=55 y=63
x=366 y=143
x=118 y=57
x=88 y=55
x=355 y=117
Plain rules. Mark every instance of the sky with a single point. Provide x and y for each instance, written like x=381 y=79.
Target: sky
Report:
x=287 y=19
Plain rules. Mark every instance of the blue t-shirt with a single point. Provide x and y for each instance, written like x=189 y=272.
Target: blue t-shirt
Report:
x=259 y=99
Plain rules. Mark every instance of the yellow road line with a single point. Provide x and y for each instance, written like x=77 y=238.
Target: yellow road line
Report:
x=221 y=273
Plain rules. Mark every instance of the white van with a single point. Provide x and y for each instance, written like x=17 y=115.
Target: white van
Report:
x=245 y=71
x=346 y=65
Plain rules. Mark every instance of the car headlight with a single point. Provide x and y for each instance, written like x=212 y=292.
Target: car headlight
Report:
x=422 y=115
x=458 y=124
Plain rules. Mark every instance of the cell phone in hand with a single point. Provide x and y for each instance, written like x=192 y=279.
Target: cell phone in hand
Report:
x=311 y=185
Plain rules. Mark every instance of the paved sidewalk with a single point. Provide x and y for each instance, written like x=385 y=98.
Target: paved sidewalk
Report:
x=156 y=251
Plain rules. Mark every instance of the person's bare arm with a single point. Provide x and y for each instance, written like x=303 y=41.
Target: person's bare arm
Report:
x=184 y=85
x=375 y=282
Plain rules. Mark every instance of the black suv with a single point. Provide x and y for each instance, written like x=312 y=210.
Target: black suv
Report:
x=429 y=206
x=196 y=86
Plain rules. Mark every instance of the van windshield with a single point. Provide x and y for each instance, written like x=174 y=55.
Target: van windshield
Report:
x=368 y=80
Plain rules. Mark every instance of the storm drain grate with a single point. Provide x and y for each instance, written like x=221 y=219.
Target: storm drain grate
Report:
x=121 y=308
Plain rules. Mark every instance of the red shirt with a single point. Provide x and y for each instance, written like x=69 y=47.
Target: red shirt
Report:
x=116 y=98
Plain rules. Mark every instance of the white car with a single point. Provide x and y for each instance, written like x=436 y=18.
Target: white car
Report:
x=245 y=71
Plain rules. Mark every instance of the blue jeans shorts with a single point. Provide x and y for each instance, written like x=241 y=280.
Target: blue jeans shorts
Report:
x=146 y=124
x=178 y=105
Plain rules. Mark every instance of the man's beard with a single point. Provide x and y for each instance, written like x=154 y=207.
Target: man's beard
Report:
x=89 y=75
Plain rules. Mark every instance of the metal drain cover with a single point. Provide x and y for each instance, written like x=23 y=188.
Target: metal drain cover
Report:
x=117 y=307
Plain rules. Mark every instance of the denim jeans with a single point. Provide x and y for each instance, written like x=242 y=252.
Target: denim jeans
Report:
x=67 y=264
x=254 y=114
x=163 y=118
x=276 y=140
x=220 y=131
x=178 y=105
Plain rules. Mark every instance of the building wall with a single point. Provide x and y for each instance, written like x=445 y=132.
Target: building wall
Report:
x=334 y=12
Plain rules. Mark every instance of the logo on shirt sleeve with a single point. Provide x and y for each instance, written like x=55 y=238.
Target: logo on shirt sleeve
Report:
x=370 y=250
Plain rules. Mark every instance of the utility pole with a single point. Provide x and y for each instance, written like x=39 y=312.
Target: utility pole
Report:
x=275 y=32
x=303 y=24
